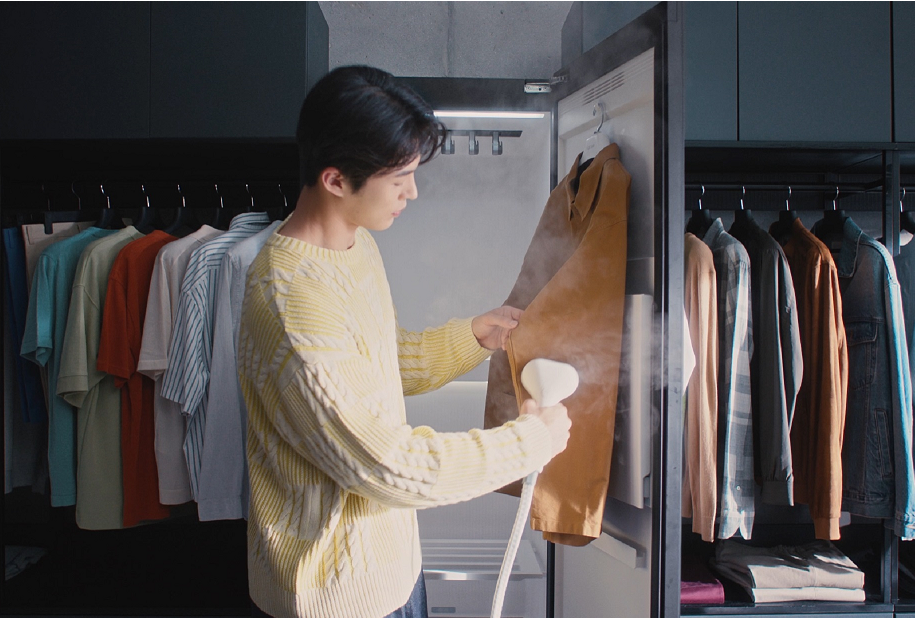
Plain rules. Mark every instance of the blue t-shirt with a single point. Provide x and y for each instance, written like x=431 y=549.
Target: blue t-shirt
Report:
x=42 y=343
x=28 y=378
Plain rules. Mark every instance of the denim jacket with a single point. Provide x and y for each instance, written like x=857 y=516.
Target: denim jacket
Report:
x=878 y=476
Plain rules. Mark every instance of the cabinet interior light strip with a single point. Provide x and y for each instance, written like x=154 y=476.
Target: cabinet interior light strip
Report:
x=481 y=114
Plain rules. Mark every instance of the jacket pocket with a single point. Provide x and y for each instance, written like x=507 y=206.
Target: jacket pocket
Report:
x=862 y=353
x=879 y=449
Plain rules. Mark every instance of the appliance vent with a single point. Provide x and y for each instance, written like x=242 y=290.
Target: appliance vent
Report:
x=617 y=79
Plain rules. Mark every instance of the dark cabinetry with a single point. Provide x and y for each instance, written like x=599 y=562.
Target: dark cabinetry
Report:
x=904 y=70
x=814 y=71
x=711 y=70
x=232 y=70
x=74 y=70
x=172 y=70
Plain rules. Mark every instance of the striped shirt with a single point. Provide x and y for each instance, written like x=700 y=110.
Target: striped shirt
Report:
x=336 y=473
x=188 y=373
x=736 y=485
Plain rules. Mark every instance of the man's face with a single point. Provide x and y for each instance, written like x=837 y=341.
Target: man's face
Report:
x=382 y=198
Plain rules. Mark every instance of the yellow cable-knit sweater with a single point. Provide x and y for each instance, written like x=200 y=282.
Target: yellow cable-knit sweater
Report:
x=336 y=473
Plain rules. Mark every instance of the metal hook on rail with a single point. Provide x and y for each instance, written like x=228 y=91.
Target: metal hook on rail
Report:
x=599 y=105
x=107 y=198
x=788 y=199
x=834 y=207
x=700 y=197
x=221 y=203
x=285 y=202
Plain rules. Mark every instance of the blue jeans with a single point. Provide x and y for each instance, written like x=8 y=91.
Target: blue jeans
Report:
x=415 y=607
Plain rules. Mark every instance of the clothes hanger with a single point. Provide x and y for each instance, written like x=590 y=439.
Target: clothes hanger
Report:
x=149 y=219
x=781 y=229
x=110 y=218
x=278 y=214
x=65 y=216
x=743 y=216
x=701 y=220
x=221 y=219
x=906 y=219
x=597 y=141
x=185 y=222
x=831 y=229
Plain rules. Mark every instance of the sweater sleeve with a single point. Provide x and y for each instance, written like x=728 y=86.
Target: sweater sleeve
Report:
x=432 y=358
x=333 y=413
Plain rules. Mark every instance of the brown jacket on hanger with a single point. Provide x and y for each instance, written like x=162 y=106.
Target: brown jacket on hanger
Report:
x=819 y=419
x=572 y=287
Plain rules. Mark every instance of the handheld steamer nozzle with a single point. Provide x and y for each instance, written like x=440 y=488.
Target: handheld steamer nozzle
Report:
x=548 y=382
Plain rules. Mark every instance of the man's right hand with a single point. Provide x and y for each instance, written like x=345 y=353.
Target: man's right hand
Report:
x=556 y=418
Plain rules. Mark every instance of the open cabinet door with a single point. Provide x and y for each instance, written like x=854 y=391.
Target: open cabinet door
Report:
x=631 y=86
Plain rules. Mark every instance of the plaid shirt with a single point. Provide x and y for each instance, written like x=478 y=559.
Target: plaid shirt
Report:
x=735 y=419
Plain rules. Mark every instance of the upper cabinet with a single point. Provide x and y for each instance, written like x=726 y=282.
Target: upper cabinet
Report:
x=238 y=69
x=814 y=71
x=111 y=70
x=711 y=70
x=74 y=70
x=904 y=67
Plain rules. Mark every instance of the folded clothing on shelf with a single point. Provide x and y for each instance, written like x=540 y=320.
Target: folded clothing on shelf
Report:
x=815 y=571
x=697 y=584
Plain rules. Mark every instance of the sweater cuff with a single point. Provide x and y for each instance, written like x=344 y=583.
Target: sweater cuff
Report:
x=826 y=528
x=537 y=443
x=466 y=346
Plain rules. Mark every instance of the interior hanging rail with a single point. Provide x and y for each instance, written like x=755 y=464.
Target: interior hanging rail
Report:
x=844 y=188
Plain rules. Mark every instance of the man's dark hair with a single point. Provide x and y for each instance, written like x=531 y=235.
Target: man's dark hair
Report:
x=359 y=120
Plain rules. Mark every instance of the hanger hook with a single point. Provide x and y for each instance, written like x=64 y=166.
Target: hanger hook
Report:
x=700 y=197
x=834 y=207
x=250 y=196
x=79 y=201
x=221 y=204
x=285 y=201
x=107 y=197
x=902 y=199
x=743 y=194
x=788 y=199
x=600 y=106
x=183 y=203
x=48 y=197
x=143 y=189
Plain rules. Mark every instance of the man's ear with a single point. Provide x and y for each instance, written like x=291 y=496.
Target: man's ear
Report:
x=333 y=181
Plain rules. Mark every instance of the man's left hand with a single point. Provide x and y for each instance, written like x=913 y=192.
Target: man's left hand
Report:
x=491 y=329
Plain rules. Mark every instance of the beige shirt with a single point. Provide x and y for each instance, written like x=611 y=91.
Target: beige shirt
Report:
x=700 y=436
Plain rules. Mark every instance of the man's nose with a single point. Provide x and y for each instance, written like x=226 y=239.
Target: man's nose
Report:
x=410 y=190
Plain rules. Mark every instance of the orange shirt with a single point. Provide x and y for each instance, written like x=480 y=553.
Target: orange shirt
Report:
x=119 y=349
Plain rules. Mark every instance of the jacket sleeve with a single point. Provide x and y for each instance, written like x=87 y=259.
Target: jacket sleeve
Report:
x=702 y=400
x=432 y=358
x=829 y=395
x=777 y=363
x=902 y=406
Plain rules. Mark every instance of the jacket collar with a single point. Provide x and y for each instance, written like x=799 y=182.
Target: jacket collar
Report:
x=714 y=231
x=590 y=180
x=847 y=258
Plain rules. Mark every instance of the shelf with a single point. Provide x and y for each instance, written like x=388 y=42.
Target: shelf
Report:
x=799 y=608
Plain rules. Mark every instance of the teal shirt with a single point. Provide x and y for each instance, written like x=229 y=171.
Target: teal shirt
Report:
x=42 y=343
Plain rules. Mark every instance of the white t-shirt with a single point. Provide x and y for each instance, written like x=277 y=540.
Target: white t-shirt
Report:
x=161 y=308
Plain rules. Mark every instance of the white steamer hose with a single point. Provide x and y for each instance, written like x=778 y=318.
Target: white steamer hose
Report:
x=548 y=382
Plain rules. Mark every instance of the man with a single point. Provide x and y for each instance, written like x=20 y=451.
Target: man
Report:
x=336 y=473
